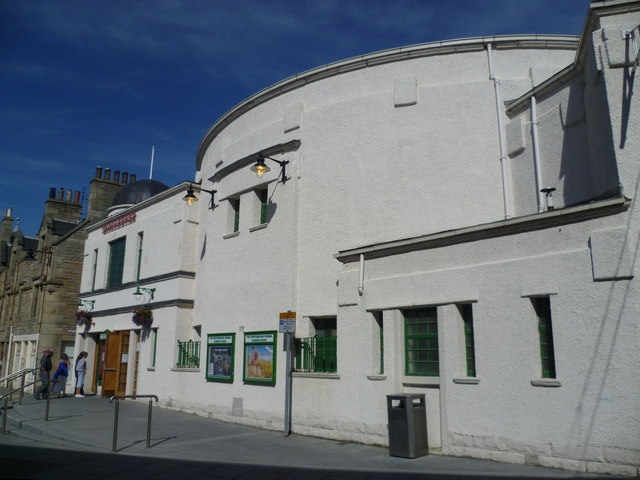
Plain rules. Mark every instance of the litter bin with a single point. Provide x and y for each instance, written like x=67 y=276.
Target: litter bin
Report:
x=407 y=425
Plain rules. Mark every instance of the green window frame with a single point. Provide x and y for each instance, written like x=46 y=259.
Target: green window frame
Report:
x=116 y=262
x=542 y=306
x=469 y=340
x=264 y=204
x=94 y=270
x=235 y=205
x=422 y=357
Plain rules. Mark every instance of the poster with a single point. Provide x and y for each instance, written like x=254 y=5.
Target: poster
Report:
x=260 y=357
x=220 y=356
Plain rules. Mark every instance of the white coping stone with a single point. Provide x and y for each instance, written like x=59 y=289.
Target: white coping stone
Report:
x=612 y=469
x=405 y=91
x=483 y=454
x=564 y=463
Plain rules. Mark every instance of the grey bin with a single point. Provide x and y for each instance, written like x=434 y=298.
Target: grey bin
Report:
x=407 y=425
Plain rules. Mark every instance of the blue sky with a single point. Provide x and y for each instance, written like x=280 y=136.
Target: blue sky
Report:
x=99 y=82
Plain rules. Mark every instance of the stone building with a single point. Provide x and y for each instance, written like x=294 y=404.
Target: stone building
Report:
x=40 y=276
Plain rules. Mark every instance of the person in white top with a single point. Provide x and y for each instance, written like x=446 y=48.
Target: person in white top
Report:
x=81 y=370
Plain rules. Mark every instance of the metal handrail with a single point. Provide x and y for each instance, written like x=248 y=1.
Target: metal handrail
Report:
x=5 y=398
x=17 y=374
x=115 y=420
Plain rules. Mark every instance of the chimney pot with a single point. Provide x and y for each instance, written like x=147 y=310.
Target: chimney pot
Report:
x=98 y=172
x=125 y=177
x=77 y=197
x=52 y=192
x=107 y=173
x=61 y=194
x=9 y=211
x=116 y=176
x=68 y=197
x=132 y=178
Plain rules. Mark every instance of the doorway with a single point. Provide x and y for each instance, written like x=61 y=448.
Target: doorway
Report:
x=116 y=363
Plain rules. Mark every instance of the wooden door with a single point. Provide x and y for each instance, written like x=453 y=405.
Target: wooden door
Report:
x=111 y=364
x=123 y=364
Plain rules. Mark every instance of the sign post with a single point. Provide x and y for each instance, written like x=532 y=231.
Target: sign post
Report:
x=288 y=327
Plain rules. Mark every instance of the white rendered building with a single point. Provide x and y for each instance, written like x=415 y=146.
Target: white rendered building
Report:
x=458 y=219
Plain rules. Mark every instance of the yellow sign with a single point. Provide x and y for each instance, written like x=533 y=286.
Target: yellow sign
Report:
x=288 y=315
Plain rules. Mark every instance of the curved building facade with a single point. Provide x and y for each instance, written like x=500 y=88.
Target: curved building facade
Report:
x=451 y=219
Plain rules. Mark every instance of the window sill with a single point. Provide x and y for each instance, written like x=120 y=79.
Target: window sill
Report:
x=259 y=227
x=151 y=369
x=376 y=376
x=546 y=382
x=178 y=369
x=467 y=380
x=315 y=375
x=420 y=381
x=231 y=235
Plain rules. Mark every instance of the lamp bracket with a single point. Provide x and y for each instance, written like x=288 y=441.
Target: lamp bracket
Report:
x=282 y=163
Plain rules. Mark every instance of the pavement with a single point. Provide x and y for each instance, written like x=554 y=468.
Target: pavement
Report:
x=77 y=442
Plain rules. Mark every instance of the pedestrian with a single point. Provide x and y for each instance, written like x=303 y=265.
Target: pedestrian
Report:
x=44 y=374
x=61 y=375
x=81 y=370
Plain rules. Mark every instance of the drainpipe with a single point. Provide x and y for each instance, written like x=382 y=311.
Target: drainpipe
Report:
x=536 y=153
x=361 y=282
x=501 y=135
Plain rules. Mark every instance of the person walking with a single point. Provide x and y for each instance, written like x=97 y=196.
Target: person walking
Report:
x=81 y=370
x=61 y=375
x=44 y=374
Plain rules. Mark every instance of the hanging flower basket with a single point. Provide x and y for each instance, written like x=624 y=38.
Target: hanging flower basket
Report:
x=143 y=317
x=83 y=318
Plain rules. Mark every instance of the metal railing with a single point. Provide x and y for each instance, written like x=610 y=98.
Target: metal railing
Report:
x=117 y=398
x=316 y=354
x=188 y=354
x=6 y=396
x=19 y=374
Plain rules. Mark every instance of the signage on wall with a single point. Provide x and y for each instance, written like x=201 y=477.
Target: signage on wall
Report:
x=260 y=357
x=220 y=357
x=127 y=219
x=287 y=322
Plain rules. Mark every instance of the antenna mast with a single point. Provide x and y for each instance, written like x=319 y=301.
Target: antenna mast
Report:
x=153 y=149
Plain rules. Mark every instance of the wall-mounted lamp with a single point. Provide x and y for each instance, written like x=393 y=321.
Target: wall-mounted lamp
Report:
x=140 y=291
x=190 y=196
x=261 y=168
x=31 y=254
x=548 y=191
x=86 y=304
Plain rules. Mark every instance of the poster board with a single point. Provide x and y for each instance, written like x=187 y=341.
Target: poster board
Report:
x=220 y=357
x=259 y=357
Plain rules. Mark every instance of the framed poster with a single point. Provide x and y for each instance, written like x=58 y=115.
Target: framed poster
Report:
x=260 y=357
x=220 y=355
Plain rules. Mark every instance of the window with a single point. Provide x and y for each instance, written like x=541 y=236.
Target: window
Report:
x=378 y=343
x=421 y=342
x=154 y=339
x=188 y=354
x=139 y=260
x=94 y=269
x=116 y=263
x=467 y=317
x=542 y=307
x=318 y=353
x=234 y=203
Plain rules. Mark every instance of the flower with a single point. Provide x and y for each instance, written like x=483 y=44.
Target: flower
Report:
x=142 y=316
x=83 y=317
